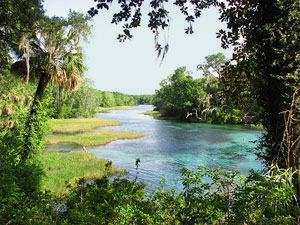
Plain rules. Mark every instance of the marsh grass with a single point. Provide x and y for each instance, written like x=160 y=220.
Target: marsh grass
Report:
x=159 y=116
x=61 y=126
x=63 y=169
x=100 y=109
x=152 y=113
x=81 y=131
x=92 y=138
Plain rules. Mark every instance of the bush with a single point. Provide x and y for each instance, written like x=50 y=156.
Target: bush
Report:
x=209 y=196
x=20 y=199
x=221 y=116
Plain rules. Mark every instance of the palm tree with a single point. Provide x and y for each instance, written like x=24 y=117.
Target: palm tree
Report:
x=52 y=55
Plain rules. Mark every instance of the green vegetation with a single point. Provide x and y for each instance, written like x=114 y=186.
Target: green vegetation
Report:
x=228 y=199
x=64 y=169
x=185 y=98
x=86 y=101
x=100 y=109
x=159 y=116
x=67 y=126
x=153 y=113
x=92 y=138
x=81 y=131
x=264 y=73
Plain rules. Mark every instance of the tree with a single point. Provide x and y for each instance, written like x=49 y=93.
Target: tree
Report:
x=212 y=71
x=82 y=102
x=16 y=19
x=108 y=99
x=55 y=57
x=213 y=65
x=268 y=57
x=181 y=96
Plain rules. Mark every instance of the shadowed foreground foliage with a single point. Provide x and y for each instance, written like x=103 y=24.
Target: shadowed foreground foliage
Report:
x=227 y=199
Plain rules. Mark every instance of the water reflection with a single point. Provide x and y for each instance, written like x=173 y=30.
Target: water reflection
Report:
x=64 y=147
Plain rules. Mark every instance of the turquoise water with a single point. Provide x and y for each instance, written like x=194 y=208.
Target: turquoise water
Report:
x=169 y=146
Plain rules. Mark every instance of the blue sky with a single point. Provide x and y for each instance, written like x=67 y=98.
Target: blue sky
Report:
x=132 y=67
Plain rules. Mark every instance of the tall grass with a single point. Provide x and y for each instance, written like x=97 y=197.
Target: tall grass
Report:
x=81 y=131
x=152 y=113
x=79 y=125
x=63 y=169
x=92 y=138
x=99 y=109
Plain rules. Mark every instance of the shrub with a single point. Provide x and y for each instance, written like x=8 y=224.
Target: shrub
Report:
x=209 y=196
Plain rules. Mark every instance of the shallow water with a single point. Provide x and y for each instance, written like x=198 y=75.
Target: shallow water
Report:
x=169 y=146
x=64 y=147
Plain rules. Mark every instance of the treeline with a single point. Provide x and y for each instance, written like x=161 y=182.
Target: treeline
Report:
x=205 y=99
x=81 y=103
x=84 y=101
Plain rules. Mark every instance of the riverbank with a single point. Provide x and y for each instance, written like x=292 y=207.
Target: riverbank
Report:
x=103 y=109
x=82 y=132
x=157 y=115
x=63 y=169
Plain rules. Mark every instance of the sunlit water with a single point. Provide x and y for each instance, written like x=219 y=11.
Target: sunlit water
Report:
x=169 y=146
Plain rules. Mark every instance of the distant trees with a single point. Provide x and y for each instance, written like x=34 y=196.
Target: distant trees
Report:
x=80 y=103
x=203 y=99
x=84 y=101
x=212 y=71
x=145 y=99
x=180 y=95
x=186 y=98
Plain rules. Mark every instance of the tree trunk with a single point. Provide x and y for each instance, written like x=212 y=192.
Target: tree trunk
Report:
x=29 y=145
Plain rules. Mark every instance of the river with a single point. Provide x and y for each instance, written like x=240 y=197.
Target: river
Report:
x=169 y=146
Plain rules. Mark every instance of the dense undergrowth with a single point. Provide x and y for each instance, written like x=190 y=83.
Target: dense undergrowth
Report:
x=227 y=199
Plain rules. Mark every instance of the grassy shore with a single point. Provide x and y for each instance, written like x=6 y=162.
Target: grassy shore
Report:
x=67 y=126
x=153 y=113
x=63 y=169
x=99 y=109
x=92 y=138
x=81 y=131
x=157 y=115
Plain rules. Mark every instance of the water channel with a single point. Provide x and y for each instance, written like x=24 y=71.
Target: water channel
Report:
x=169 y=146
